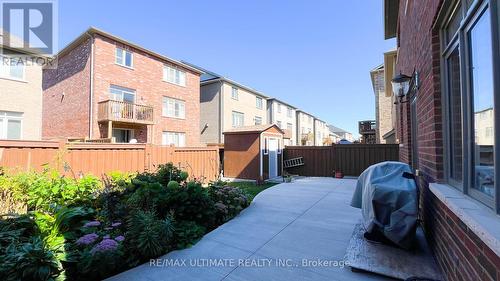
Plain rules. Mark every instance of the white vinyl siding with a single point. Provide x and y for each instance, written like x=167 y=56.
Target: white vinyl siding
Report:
x=173 y=108
x=11 y=68
x=11 y=124
x=238 y=119
x=123 y=57
x=176 y=138
x=174 y=75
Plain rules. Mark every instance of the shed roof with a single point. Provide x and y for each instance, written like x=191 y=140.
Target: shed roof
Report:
x=253 y=129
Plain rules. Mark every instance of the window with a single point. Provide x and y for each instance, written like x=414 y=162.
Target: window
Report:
x=174 y=75
x=455 y=122
x=481 y=73
x=173 y=108
x=123 y=57
x=266 y=146
x=234 y=93
x=289 y=112
x=118 y=93
x=279 y=108
x=11 y=68
x=258 y=102
x=470 y=100
x=175 y=138
x=238 y=119
x=289 y=127
x=258 y=120
x=11 y=125
x=278 y=123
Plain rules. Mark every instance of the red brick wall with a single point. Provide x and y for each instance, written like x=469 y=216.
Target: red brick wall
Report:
x=459 y=252
x=146 y=78
x=68 y=115
x=419 y=51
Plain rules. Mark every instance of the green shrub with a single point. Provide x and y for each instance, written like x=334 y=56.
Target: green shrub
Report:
x=229 y=201
x=147 y=196
x=172 y=185
x=190 y=202
x=148 y=236
x=187 y=233
x=47 y=190
x=168 y=172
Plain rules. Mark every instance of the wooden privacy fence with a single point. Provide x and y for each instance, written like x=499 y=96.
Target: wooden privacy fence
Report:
x=98 y=159
x=350 y=159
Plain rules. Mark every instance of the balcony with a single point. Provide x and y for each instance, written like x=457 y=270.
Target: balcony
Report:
x=119 y=111
x=367 y=127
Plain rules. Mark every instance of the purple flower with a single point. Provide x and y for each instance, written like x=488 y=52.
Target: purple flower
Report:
x=92 y=223
x=87 y=239
x=108 y=228
x=116 y=224
x=119 y=238
x=104 y=246
x=105 y=236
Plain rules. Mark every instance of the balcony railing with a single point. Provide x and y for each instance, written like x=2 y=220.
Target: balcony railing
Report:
x=120 y=111
x=367 y=127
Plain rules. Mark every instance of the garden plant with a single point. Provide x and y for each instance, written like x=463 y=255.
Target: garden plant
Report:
x=89 y=228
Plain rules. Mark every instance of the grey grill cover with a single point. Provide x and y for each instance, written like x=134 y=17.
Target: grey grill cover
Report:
x=388 y=202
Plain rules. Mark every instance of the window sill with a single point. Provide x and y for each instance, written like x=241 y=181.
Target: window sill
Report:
x=14 y=79
x=172 y=117
x=179 y=85
x=127 y=67
x=479 y=218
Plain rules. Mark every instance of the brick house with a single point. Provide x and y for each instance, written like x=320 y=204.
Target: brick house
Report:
x=106 y=87
x=446 y=126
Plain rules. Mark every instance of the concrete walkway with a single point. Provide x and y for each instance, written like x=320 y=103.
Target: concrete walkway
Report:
x=292 y=231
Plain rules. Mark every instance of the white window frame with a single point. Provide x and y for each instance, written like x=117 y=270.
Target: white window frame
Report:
x=174 y=75
x=289 y=112
x=236 y=113
x=5 y=69
x=258 y=118
x=171 y=112
x=122 y=91
x=234 y=93
x=124 y=53
x=178 y=135
x=5 y=117
x=259 y=102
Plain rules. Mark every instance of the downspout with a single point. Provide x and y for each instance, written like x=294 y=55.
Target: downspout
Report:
x=91 y=96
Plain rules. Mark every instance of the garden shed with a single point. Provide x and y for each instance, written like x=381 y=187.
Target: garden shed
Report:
x=251 y=152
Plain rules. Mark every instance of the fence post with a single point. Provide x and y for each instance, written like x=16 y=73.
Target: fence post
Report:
x=147 y=157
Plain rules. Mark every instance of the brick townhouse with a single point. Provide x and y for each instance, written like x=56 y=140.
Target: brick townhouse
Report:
x=106 y=87
x=450 y=51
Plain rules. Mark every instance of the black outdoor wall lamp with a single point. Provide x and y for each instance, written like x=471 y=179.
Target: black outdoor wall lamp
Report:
x=402 y=84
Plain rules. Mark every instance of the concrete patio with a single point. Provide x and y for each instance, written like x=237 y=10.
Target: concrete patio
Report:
x=285 y=234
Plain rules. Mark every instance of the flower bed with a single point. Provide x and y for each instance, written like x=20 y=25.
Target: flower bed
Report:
x=89 y=229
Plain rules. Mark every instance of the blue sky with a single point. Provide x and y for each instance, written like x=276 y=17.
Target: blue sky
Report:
x=315 y=55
